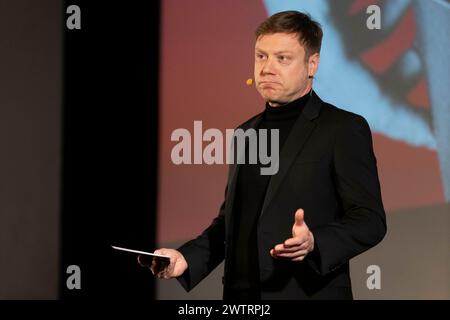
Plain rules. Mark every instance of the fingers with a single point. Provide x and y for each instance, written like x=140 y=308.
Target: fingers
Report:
x=165 y=268
x=297 y=241
x=300 y=258
x=292 y=245
x=289 y=255
x=281 y=248
x=161 y=270
x=163 y=273
x=278 y=251
x=144 y=260
x=294 y=249
x=156 y=267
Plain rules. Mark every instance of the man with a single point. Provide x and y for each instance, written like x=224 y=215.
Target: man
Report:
x=291 y=235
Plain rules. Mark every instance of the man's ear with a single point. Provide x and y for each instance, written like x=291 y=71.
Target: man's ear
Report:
x=313 y=64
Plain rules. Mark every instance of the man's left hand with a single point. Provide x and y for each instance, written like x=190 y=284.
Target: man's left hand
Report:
x=301 y=243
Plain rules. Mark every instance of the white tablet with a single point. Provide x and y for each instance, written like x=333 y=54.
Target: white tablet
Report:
x=141 y=252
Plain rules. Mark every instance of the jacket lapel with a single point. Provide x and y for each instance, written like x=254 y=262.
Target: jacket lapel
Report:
x=293 y=145
x=234 y=168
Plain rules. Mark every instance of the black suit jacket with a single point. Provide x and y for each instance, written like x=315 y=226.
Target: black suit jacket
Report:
x=328 y=168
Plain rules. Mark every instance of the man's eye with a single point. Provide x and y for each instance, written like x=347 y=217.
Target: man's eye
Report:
x=283 y=58
x=259 y=56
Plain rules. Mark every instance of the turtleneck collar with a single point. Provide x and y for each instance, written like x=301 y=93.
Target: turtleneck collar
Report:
x=286 y=111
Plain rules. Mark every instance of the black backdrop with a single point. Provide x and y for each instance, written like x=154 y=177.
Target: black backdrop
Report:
x=110 y=126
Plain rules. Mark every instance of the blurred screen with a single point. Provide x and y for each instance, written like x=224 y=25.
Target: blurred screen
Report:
x=396 y=77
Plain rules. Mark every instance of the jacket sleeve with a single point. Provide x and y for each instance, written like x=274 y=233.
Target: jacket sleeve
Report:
x=363 y=223
x=204 y=253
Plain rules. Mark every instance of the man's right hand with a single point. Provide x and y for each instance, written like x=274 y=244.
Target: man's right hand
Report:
x=174 y=269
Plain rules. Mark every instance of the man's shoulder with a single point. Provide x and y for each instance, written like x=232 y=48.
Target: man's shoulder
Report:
x=330 y=114
x=338 y=116
x=330 y=110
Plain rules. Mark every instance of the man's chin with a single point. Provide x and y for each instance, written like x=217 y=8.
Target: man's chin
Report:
x=275 y=103
x=271 y=98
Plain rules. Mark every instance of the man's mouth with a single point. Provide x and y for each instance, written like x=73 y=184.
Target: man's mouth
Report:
x=268 y=84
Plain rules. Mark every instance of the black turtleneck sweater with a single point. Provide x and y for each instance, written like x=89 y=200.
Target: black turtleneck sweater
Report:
x=250 y=193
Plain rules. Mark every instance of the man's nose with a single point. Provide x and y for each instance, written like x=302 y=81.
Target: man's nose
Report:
x=268 y=66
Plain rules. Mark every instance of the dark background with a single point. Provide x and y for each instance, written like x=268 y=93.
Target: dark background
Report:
x=110 y=126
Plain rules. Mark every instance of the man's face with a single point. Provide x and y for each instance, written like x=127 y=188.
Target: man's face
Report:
x=281 y=71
